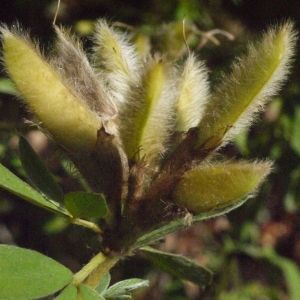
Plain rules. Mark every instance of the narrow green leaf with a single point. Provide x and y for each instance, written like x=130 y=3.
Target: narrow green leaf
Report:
x=89 y=294
x=179 y=266
x=121 y=289
x=38 y=173
x=103 y=284
x=18 y=187
x=69 y=293
x=27 y=274
x=86 y=205
x=159 y=233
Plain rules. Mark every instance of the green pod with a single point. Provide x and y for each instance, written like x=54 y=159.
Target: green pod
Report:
x=242 y=93
x=213 y=187
x=149 y=117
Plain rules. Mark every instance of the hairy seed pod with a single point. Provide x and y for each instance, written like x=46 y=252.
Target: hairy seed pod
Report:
x=116 y=60
x=149 y=115
x=213 y=187
x=193 y=94
x=243 y=93
x=59 y=110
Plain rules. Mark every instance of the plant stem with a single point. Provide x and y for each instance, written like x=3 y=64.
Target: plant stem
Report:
x=92 y=273
x=87 y=224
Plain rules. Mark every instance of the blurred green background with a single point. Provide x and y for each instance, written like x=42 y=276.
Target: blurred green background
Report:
x=254 y=251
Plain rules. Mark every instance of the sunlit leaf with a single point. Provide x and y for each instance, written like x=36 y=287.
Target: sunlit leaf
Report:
x=27 y=274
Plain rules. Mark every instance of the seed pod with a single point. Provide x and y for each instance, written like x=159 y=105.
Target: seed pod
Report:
x=213 y=187
x=242 y=94
x=148 y=116
x=59 y=110
x=77 y=74
x=193 y=94
x=116 y=60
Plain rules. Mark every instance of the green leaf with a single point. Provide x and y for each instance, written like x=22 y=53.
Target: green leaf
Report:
x=38 y=173
x=120 y=290
x=159 y=233
x=27 y=274
x=103 y=284
x=18 y=187
x=89 y=294
x=86 y=205
x=69 y=293
x=179 y=266
x=7 y=87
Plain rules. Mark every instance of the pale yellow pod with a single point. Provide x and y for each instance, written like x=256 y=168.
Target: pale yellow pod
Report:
x=148 y=118
x=211 y=187
x=193 y=94
x=145 y=134
x=116 y=60
x=67 y=118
